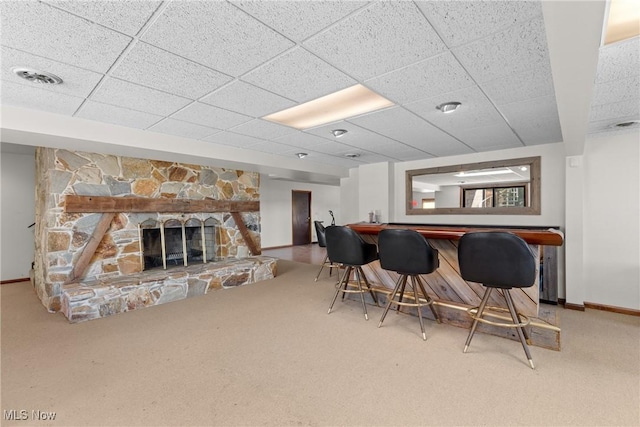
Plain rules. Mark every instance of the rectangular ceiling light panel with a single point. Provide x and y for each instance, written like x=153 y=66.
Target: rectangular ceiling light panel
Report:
x=349 y=102
x=624 y=20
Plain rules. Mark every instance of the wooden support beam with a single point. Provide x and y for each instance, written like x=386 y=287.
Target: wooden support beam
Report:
x=245 y=233
x=90 y=248
x=90 y=204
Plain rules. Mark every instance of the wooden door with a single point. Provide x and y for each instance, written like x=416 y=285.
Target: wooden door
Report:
x=301 y=217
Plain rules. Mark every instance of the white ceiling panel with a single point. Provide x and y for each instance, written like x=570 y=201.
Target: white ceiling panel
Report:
x=333 y=160
x=537 y=130
x=275 y=148
x=629 y=108
x=301 y=139
x=517 y=87
x=619 y=60
x=156 y=68
x=380 y=38
x=128 y=17
x=487 y=138
x=128 y=95
x=300 y=76
x=247 y=99
x=459 y=22
x=263 y=129
x=514 y=50
x=77 y=81
x=544 y=106
x=43 y=30
x=184 y=129
x=433 y=76
x=216 y=34
x=38 y=99
x=626 y=89
x=117 y=115
x=310 y=16
x=210 y=116
x=233 y=139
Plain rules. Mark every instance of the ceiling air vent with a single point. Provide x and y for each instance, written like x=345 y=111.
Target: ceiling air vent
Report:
x=627 y=124
x=37 y=76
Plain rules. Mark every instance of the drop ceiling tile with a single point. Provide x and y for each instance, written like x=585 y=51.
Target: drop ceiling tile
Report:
x=38 y=99
x=216 y=34
x=128 y=95
x=514 y=50
x=310 y=17
x=184 y=129
x=116 y=115
x=334 y=148
x=619 y=60
x=498 y=136
x=476 y=110
x=76 y=81
x=537 y=107
x=538 y=130
x=275 y=148
x=301 y=139
x=517 y=87
x=629 y=108
x=383 y=37
x=263 y=129
x=433 y=76
x=60 y=36
x=208 y=115
x=404 y=126
x=128 y=17
x=334 y=160
x=247 y=99
x=459 y=22
x=233 y=139
x=156 y=68
x=300 y=76
x=616 y=90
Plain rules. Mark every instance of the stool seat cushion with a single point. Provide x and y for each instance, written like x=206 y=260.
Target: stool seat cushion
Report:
x=345 y=246
x=496 y=259
x=406 y=252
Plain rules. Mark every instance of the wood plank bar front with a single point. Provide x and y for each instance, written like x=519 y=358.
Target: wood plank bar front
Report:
x=453 y=295
x=90 y=204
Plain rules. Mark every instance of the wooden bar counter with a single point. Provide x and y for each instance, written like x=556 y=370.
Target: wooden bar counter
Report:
x=453 y=295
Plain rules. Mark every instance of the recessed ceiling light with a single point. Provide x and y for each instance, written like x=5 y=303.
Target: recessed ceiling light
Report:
x=35 y=76
x=523 y=168
x=448 y=107
x=352 y=155
x=301 y=155
x=626 y=124
x=345 y=103
x=339 y=132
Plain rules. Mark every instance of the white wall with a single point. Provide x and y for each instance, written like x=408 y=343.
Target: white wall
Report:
x=375 y=191
x=17 y=172
x=448 y=196
x=612 y=221
x=275 y=208
x=350 y=198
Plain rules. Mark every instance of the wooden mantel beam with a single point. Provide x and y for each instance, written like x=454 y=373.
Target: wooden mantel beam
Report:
x=105 y=204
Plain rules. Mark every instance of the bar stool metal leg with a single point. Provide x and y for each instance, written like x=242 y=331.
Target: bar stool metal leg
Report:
x=429 y=300
x=345 y=279
x=483 y=303
x=404 y=284
x=519 y=329
x=401 y=279
x=361 y=292
x=322 y=266
x=419 y=309
x=366 y=281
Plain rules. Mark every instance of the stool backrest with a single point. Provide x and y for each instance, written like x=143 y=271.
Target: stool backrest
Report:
x=406 y=251
x=345 y=246
x=496 y=259
x=320 y=234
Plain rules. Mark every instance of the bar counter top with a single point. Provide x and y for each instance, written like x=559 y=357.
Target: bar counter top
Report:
x=532 y=235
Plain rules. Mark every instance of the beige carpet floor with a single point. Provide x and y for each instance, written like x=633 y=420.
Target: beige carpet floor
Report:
x=269 y=355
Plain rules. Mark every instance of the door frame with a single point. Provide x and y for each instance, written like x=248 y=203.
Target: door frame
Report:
x=293 y=211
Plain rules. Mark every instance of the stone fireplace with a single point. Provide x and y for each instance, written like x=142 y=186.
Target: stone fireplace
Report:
x=116 y=233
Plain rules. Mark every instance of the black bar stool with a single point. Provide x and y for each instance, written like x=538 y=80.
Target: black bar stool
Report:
x=409 y=254
x=497 y=260
x=346 y=247
x=322 y=242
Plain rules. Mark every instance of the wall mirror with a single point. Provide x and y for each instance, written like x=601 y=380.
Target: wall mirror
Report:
x=502 y=187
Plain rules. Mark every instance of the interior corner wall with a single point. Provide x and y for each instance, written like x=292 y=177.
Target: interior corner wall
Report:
x=374 y=188
x=17 y=172
x=275 y=209
x=350 y=197
x=612 y=221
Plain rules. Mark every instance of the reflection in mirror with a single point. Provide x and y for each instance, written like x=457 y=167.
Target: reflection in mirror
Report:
x=499 y=187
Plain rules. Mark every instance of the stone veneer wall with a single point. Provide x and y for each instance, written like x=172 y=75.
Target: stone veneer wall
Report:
x=60 y=237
